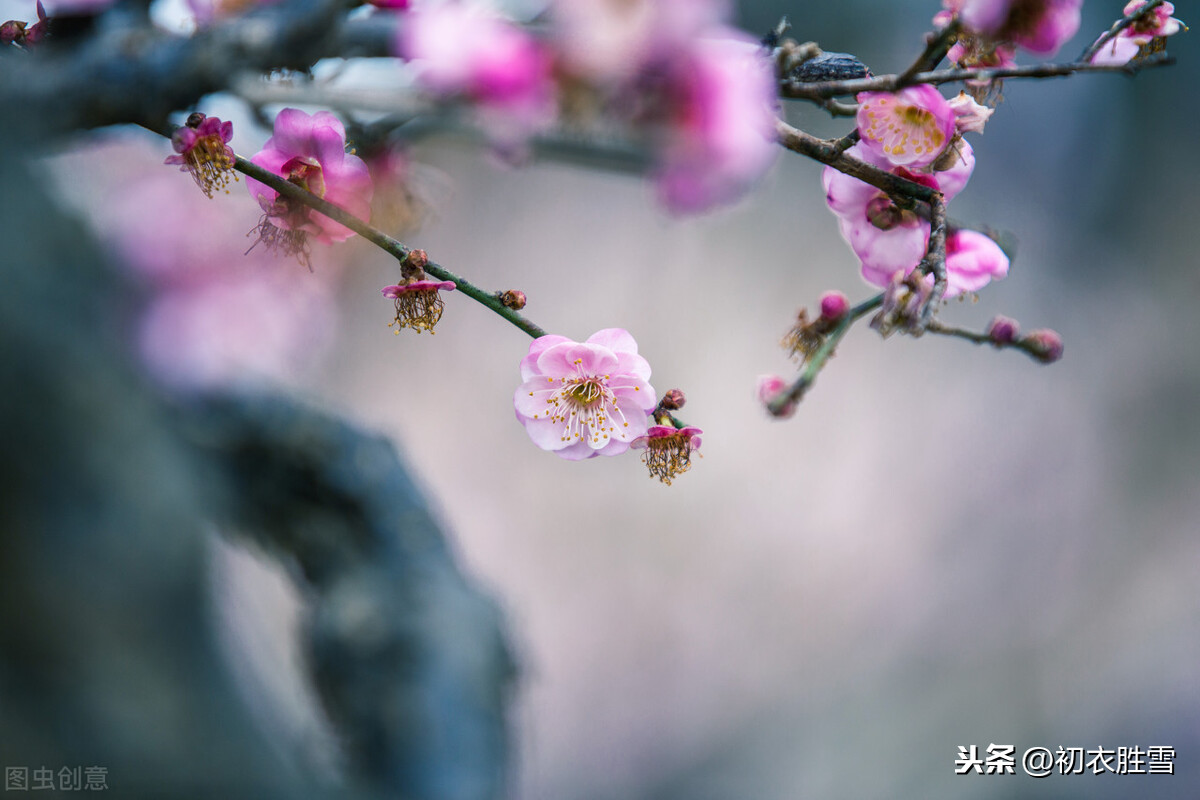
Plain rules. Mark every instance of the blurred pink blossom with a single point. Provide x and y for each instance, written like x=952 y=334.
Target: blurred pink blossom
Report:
x=719 y=138
x=581 y=400
x=609 y=42
x=908 y=128
x=310 y=150
x=463 y=49
x=1039 y=26
x=212 y=315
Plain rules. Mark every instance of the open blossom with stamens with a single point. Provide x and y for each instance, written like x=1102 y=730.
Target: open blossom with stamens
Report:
x=667 y=450
x=418 y=304
x=908 y=128
x=310 y=151
x=202 y=149
x=584 y=399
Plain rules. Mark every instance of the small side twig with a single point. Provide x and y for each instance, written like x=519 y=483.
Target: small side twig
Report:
x=832 y=153
x=816 y=362
x=377 y=237
x=935 y=50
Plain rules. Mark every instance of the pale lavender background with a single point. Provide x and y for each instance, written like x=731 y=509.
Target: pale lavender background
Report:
x=946 y=546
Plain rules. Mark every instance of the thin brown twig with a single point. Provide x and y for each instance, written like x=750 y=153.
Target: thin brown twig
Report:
x=935 y=258
x=377 y=237
x=832 y=154
x=819 y=92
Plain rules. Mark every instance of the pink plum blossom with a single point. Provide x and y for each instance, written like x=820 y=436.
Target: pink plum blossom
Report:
x=908 y=128
x=310 y=150
x=885 y=238
x=584 y=399
x=719 y=137
x=1039 y=26
x=1158 y=22
x=463 y=49
x=1124 y=47
x=972 y=261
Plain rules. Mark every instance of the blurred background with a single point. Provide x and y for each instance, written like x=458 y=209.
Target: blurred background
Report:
x=946 y=546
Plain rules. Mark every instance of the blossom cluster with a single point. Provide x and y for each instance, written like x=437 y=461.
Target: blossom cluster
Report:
x=915 y=134
x=700 y=93
x=701 y=97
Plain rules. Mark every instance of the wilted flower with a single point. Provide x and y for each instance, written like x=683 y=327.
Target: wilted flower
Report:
x=908 y=128
x=202 y=149
x=309 y=151
x=667 y=450
x=583 y=399
x=418 y=304
x=903 y=307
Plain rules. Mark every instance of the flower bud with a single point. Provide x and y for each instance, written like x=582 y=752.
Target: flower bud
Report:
x=834 y=306
x=513 y=298
x=673 y=400
x=769 y=388
x=1045 y=345
x=412 y=267
x=1002 y=331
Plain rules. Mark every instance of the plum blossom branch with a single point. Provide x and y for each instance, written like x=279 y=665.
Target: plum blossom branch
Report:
x=781 y=404
x=392 y=246
x=1041 y=345
x=819 y=92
